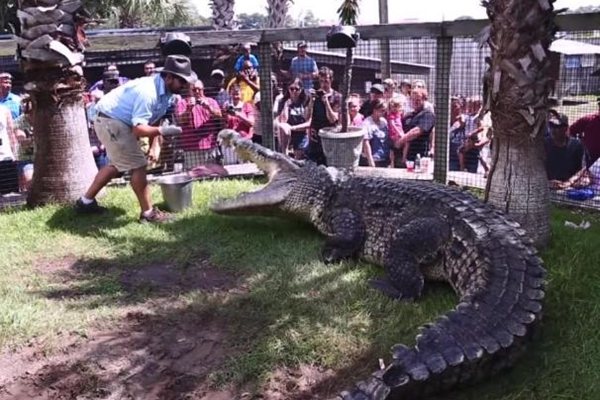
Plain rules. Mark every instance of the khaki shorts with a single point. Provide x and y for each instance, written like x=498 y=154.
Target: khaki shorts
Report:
x=122 y=147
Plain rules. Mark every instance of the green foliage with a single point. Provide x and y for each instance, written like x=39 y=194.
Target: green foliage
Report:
x=294 y=309
x=348 y=12
x=145 y=13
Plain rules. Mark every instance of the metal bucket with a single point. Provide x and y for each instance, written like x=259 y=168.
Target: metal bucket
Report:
x=176 y=191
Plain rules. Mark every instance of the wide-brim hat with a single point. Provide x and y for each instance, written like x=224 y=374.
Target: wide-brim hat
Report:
x=180 y=66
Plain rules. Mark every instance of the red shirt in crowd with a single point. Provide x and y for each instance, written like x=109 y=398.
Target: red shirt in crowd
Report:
x=589 y=126
x=198 y=132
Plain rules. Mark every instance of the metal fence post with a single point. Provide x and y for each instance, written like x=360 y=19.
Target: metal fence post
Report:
x=266 y=95
x=443 y=63
x=384 y=44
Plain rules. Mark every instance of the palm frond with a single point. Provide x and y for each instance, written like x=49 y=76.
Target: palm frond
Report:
x=348 y=12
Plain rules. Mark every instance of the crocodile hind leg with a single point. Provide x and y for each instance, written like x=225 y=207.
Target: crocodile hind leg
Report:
x=416 y=244
x=346 y=235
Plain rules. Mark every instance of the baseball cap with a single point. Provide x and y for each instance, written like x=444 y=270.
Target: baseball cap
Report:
x=377 y=88
x=217 y=72
x=558 y=119
x=405 y=82
x=5 y=75
x=302 y=44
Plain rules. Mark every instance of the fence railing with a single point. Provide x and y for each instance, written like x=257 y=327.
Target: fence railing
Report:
x=446 y=55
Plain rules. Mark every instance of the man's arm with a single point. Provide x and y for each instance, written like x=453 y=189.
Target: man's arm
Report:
x=332 y=110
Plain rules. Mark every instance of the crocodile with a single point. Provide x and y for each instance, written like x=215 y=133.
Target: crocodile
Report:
x=417 y=231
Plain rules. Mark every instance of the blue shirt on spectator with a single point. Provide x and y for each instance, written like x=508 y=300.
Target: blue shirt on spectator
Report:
x=304 y=65
x=140 y=101
x=13 y=103
x=239 y=63
x=376 y=132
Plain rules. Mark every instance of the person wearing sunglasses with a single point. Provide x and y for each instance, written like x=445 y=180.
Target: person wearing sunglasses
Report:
x=293 y=123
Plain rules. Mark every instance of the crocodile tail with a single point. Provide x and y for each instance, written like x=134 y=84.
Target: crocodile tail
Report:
x=485 y=333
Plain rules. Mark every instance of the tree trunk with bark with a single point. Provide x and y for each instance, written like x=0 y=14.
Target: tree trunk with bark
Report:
x=50 y=47
x=64 y=165
x=516 y=88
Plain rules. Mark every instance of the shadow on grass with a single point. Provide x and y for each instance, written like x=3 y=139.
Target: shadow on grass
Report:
x=222 y=302
x=67 y=220
x=216 y=309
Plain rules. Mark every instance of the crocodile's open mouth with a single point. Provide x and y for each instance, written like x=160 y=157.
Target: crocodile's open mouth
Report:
x=280 y=170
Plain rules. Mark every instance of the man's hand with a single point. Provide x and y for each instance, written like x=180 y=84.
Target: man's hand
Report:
x=169 y=130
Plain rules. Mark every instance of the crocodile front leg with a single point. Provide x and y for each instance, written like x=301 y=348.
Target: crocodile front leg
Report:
x=346 y=235
x=416 y=244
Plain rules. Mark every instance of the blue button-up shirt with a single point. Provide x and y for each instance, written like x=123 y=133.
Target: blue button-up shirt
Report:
x=13 y=103
x=141 y=101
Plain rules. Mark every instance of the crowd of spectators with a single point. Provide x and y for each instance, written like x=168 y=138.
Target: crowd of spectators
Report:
x=397 y=118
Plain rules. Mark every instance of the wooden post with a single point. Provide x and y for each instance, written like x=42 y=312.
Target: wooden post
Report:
x=384 y=44
x=443 y=61
x=266 y=95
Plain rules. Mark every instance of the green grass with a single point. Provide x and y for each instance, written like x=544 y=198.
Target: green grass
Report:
x=295 y=309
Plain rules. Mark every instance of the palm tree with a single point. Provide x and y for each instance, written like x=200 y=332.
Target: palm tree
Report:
x=141 y=13
x=64 y=165
x=516 y=88
x=277 y=11
x=222 y=14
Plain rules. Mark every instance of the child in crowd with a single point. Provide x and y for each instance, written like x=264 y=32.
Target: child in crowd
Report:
x=396 y=131
x=376 y=143
x=355 y=118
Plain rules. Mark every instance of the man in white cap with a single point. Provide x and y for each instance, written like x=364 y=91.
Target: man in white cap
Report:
x=126 y=114
x=216 y=89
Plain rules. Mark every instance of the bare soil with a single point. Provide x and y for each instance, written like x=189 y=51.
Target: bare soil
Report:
x=147 y=353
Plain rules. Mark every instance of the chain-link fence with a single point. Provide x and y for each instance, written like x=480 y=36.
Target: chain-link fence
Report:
x=282 y=90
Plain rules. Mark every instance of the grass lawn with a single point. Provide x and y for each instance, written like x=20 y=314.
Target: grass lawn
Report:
x=285 y=307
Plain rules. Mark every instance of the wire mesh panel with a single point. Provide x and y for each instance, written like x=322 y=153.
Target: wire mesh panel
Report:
x=573 y=134
x=283 y=93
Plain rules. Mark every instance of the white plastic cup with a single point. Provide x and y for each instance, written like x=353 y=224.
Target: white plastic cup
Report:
x=410 y=166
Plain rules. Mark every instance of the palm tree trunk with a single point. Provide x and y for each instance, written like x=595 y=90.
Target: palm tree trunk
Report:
x=64 y=165
x=222 y=14
x=277 y=11
x=51 y=57
x=346 y=85
x=516 y=88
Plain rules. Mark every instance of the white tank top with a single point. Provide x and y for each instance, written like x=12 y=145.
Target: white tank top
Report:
x=6 y=152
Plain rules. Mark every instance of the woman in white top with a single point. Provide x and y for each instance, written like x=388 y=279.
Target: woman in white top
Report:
x=9 y=148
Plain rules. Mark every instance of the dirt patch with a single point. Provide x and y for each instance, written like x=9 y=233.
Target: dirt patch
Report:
x=161 y=348
x=145 y=356
x=307 y=382
x=172 y=279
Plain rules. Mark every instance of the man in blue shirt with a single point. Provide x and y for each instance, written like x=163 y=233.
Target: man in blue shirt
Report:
x=304 y=67
x=246 y=55
x=124 y=115
x=7 y=98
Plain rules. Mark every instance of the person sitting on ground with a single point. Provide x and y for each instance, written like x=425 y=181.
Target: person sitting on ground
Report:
x=293 y=124
x=564 y=155
x=198 y=116
x=248 y=82
x=126 y=114
x=376 y=143
x=375 y=93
